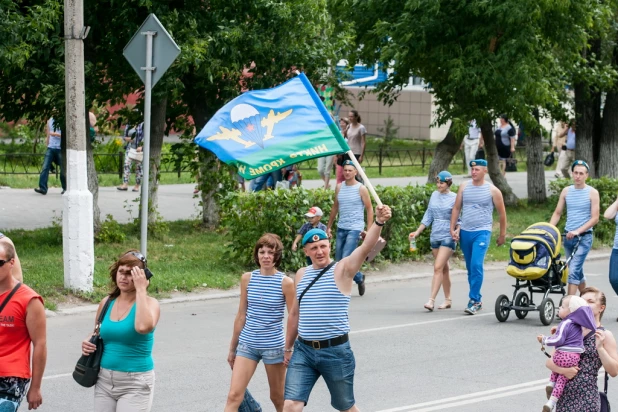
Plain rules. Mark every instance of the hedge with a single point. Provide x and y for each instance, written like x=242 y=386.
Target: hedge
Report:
x=246 y=216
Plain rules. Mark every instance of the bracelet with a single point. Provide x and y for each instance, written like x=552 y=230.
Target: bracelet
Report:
x=288 y=350
x=379 y=224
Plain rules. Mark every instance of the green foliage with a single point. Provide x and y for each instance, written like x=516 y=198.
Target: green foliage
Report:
x=247 y=216
x=389 y=133
x=608 y=188
x=111 y=231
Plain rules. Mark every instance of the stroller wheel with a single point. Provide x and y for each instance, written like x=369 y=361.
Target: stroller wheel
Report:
x=521 y=300
x=503 y=308
x=547 y=310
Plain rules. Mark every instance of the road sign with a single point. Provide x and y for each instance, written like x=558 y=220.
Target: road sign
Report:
x=164 y=49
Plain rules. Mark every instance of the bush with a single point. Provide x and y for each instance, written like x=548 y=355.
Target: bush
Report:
x=608 y=188
x=111 y=231
x=247 y=216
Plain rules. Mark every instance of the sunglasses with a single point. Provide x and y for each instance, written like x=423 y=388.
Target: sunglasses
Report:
x=2 y=262
x=142 y=258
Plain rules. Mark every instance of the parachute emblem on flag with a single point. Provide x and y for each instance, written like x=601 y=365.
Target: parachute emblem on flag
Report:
x=251 y=128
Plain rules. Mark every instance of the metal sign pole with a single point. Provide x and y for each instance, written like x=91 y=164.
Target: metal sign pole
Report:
x=146 y=162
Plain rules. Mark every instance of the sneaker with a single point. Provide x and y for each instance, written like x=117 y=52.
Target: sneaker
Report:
x=361 y=286
x=39 y=190
x=476 y=306
x=470 y=303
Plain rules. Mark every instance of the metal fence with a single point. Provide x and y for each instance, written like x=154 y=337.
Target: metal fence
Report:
x=113 y=163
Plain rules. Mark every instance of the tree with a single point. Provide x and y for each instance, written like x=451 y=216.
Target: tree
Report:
x=32 y=65
x=477 y=59
x=227 y=47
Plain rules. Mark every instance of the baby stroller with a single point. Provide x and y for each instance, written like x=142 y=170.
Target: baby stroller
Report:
x=535 y=264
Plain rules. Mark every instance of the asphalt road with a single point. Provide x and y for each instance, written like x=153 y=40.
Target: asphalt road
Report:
x=26 y=209
x=407 y=359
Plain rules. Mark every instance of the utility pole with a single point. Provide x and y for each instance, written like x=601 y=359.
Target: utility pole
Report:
x=77 y=220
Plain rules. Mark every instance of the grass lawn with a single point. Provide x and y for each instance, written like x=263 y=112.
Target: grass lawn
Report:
x=185 y=259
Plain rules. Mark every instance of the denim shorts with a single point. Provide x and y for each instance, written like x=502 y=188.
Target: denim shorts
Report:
x=450 y=243
x=268 y=356
x=576 y=266
x=335 y=364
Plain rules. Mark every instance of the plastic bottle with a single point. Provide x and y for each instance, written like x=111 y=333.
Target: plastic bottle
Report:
x=412 y=244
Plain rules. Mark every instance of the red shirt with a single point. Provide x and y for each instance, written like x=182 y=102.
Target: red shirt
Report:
x=15 y=342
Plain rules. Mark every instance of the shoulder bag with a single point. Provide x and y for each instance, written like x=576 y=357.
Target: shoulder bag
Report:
x=315 y=280
x=87 y=369
x=605 y=407
x=135 y=155
x=6 y=300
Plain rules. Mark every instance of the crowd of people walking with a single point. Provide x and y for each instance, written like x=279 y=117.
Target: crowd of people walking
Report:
x=315 y=342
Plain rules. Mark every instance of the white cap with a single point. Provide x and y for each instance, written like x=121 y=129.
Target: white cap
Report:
x=576 y=302
x=314 y=211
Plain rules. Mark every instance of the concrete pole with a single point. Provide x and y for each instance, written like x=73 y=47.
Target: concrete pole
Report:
x=77 y=220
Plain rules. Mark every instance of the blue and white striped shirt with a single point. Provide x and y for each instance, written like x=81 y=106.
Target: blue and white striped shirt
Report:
x=438 y=215
x=266 y=303
x=578 y=207
x=351 y=208
x=477 y=208
x=615 y=236
x=323 y=312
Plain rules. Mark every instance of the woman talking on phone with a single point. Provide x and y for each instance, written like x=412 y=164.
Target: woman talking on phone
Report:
x=126 y=380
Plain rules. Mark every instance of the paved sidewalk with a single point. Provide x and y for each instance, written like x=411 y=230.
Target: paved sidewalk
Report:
x=26 y=209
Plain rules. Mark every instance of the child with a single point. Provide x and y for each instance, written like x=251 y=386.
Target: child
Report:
x=568 y=341
x=313 y=216
x=294 y=176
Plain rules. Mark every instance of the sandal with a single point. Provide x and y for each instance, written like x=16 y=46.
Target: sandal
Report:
x=446 y=305
x=429 y=304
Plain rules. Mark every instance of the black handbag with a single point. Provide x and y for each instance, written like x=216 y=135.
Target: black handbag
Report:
x=605 y=407
x=549 y=159
x=87 y=369
x=511 y=164
x=480 y=154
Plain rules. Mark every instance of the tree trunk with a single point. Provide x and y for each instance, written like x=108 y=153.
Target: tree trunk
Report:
x=535 y=166
x=608 y=158
x=443 y=156
x=157 y=132
x=208 y=168
x=491 y=153
x=93 y=179
x=584 y=116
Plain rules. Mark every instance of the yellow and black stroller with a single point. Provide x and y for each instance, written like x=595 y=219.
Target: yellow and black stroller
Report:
x=536 y=265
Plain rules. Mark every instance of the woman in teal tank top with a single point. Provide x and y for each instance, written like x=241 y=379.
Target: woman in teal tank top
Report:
x=126 y=380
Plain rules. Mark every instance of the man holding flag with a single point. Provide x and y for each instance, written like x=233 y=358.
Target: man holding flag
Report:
x=317 y=342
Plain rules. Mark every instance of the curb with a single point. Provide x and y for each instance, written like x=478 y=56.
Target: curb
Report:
x=235 y=293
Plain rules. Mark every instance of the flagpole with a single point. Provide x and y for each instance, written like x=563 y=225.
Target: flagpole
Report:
x=366 y=181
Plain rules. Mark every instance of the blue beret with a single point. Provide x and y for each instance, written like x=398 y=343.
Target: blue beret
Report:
x=580 y=163
x=478 y=162
x=445 y=176
x=349 y=163
x=314 y=235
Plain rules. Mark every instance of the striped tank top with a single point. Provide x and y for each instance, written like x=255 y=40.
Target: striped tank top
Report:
x=351 y=208
x=616 y=235
x=578 y=207
x=323 y=310
x=477 y=208
x=438 y=215
x=264 y=324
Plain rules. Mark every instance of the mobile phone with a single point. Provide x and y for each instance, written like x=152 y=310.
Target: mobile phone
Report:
x=148 y=273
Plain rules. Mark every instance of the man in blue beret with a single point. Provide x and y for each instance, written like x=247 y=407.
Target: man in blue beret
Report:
x=351 y=201
x=317 y=342
x=583 y=206
x=475 y=203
